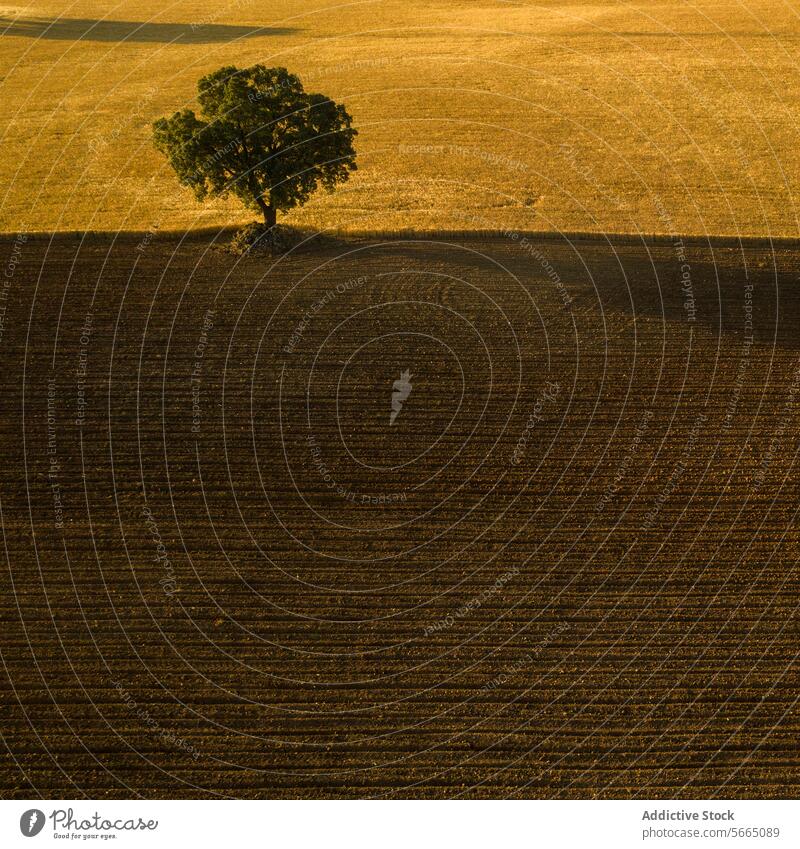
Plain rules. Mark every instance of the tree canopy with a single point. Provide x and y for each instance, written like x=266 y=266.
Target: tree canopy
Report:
x=261 y=137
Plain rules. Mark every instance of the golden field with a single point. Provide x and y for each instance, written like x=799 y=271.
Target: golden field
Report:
x=604 y=116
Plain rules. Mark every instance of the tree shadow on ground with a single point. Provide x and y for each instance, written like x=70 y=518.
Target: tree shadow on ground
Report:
x=706 y=284
x=87 y=29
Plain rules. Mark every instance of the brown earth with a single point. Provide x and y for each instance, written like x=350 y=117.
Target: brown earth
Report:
x=227 y=574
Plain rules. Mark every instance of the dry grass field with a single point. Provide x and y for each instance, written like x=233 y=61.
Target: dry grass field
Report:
x=426 y=507
x=566 y=570
x=606 y=116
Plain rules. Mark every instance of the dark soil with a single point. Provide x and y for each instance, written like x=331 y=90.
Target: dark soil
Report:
x=567 y=569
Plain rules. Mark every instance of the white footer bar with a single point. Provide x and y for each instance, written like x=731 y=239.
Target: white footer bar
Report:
x=403 y=824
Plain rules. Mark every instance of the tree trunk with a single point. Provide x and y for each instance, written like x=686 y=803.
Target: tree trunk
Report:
x=269 y=212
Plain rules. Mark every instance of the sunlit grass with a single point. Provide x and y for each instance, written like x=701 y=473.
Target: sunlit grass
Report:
x=551 y=115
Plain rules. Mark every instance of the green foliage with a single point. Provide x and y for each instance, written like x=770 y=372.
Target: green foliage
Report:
x=260 y=136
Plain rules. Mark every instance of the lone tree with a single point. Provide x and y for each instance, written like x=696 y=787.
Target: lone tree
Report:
x=261 y=136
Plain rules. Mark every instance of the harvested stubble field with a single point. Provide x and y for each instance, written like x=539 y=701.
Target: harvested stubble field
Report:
x=566 y=570
x=606 y=116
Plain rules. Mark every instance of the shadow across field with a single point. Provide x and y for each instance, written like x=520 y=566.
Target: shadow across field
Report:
x=706 y=282
x=730 y=286
x=88 y=29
